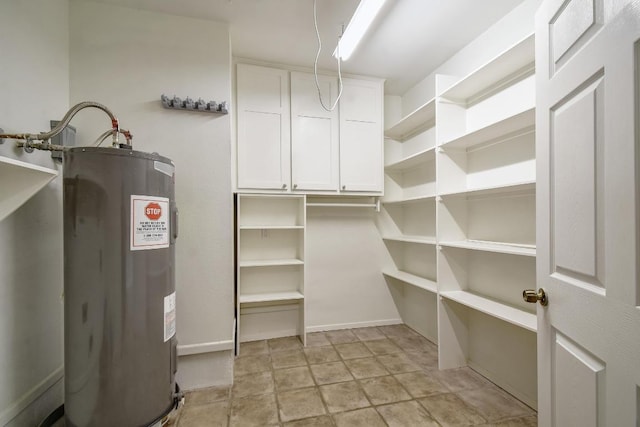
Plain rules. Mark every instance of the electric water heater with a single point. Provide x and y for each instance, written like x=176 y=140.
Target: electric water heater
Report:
x=120 y=226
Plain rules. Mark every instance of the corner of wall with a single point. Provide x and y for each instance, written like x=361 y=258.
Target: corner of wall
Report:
x=35 y=89
x=392 y=109
x=205 y=370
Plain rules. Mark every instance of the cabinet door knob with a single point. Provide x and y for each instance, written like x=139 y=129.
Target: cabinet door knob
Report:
x=284 y=186
x=344 y=187
x=295 y=186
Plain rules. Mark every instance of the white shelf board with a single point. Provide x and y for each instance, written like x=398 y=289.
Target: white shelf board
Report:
x=412 y=279
x=271 y=227
x=410 y=200
x=272 y=196
x=422 y=117
x=270 y=297
x=515 y=124
x=493 y=308
x=513 y=59
x=496 y=247
x=411 y=239
x=270 y=262
x=412 y=161
x=341 y=205
x=497 y=189
x=21 y=181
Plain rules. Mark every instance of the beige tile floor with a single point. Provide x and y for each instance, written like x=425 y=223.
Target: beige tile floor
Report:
x=379 y=376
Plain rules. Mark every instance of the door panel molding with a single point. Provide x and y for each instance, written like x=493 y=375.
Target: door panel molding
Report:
x=577 y=182
x=573 y=25
x=575 y=368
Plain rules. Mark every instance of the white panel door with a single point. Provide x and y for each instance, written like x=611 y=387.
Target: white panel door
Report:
x=587 y=125
x=314 y=133
x=263 y=148
x=361 y=136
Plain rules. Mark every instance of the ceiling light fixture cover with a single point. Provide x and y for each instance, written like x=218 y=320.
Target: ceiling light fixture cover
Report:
x=360 y=22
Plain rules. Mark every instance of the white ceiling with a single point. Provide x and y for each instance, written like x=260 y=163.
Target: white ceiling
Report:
x=408 y=40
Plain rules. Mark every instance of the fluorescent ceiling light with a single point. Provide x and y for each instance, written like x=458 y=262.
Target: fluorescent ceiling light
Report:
x=360 y=22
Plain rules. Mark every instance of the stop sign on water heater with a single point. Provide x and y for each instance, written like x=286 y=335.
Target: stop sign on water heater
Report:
x=153 y=211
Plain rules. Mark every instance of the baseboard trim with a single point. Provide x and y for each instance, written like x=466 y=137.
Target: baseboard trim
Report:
x=205 y=347
x=336 y=326
x=31 y=396
x=530 y=401
x=269 y=335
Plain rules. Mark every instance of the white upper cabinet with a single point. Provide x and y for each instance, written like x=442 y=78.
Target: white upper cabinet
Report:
x=361 y=136
x=287 y=142
x=314 y=133
x=263 y=149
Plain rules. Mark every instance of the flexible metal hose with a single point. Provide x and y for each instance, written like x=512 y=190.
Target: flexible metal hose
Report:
x=45 y=136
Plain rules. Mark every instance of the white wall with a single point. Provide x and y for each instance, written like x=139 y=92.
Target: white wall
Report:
x=516 y=25
x=344 y=258
x=126 y=59
x=34 y=83
x=392 y=110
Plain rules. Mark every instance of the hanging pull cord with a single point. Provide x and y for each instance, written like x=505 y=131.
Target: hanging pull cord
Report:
x=315 y=65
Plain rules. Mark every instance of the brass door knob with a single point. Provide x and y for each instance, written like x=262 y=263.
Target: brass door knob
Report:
x=530 y=295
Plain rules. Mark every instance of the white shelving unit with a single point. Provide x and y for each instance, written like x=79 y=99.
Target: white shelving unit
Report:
x=512 y=125
x=511 y=65
x=407 y=163
x=412 y=279
x=270 y=266
x=421 y=118
x=512 y=187
x=493 y=308
x=410 y=156
x=269 y=297
x=21 y=181
x=486 y=178
x=408 y=218
x=410 y=200
x=501 y=248
x=270 y=262
x=411 y=239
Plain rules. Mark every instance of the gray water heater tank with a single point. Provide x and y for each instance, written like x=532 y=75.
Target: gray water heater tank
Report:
x=120 y=223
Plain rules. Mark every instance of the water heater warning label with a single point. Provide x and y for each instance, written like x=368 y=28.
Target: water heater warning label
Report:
x=149 y=222
x=169 y=316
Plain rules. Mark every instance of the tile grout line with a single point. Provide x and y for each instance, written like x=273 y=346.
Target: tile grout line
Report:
x=358 y=384
x=275 y=385
x=422 y=368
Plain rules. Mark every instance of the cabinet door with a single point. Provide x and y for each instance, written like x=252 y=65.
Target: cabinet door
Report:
x=263 y=149
x=314 y=133
x=361 y=137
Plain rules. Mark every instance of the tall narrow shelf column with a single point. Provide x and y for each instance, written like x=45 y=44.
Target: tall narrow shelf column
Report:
x=408 y=217
x=270 y=266
x=486 y=220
